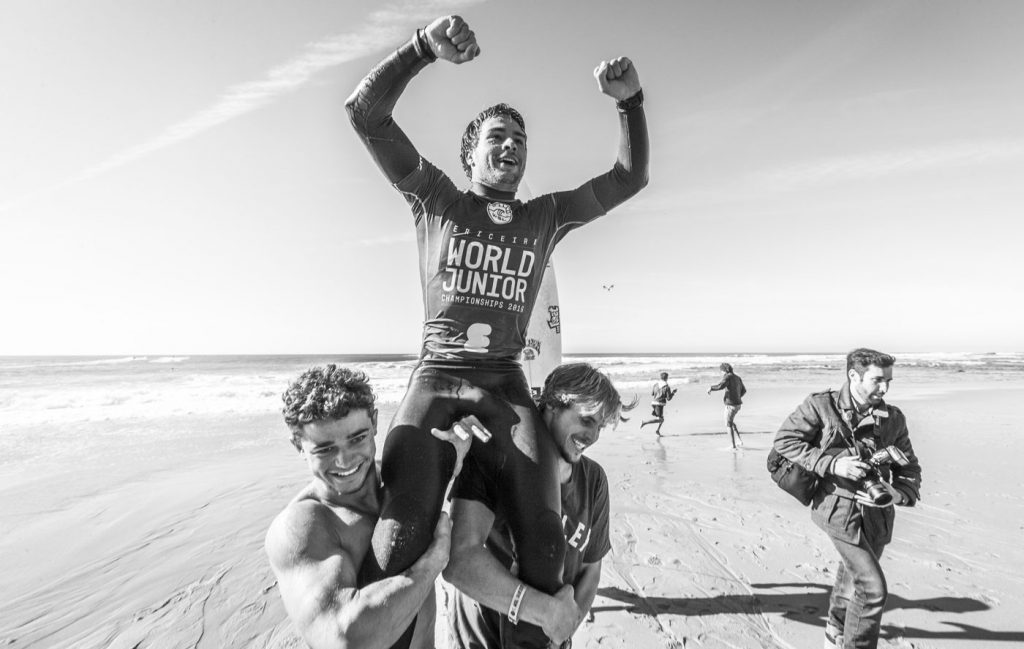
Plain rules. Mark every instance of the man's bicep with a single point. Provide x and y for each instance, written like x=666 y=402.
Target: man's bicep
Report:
x=316 y=577
x=471 y=524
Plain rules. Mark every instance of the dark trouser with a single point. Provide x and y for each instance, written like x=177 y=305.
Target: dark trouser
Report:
x=416 y=468
x=858 y=596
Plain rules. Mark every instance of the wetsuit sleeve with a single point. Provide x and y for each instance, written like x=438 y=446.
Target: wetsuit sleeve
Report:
x=907 y=479
x=601 y=543
x=629 y=175
x=599 y=195
x=370 y=106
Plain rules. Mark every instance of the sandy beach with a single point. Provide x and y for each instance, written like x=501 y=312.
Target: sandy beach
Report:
x=159 y=545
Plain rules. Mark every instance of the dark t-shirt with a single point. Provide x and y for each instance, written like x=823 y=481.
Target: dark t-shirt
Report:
x=584 y=514
x=482 y=260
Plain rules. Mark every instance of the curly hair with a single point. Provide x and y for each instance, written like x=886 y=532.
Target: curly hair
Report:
x=583 y=385
x=325 y=392
x=471 y=137
x=862 y=358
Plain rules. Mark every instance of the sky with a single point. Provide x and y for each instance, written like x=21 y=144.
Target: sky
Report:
x=181 y=178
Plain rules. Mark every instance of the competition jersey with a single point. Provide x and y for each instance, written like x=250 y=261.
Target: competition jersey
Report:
x=482 y=261
x=585 y=509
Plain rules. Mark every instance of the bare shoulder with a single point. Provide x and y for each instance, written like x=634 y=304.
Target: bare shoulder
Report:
x=309 y=530
x=300 y=526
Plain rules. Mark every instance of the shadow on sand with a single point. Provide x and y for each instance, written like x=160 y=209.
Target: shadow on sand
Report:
x=809 y=608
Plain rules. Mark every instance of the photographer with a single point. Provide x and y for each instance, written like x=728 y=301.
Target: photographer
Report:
x=860 y=447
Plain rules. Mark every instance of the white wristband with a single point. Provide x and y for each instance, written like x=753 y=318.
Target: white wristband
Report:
x=517 y=600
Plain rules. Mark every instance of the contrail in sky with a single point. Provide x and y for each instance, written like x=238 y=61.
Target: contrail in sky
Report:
x=384 y=27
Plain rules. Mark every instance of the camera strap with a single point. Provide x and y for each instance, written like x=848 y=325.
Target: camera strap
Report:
x=846 y=426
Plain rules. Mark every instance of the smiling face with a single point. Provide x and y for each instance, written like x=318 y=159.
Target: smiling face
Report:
x=499 y=158
x=872 y=386
x=340 y=452
x=573 y=430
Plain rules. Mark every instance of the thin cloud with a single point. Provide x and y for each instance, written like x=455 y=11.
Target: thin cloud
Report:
x=384 y=28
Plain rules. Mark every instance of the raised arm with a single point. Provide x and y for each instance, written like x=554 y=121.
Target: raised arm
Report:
x=370 y=106
x=477 y=573
x=619 y=80
x=316 y=574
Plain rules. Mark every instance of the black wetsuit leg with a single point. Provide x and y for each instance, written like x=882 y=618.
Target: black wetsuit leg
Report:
x=416 y=468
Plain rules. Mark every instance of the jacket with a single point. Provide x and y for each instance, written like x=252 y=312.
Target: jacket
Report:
x=820 y=430
x=734 y=389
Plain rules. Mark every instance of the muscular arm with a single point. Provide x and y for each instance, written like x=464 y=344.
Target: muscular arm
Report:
x=316 y=573
x=586 y=589
x=475 y=571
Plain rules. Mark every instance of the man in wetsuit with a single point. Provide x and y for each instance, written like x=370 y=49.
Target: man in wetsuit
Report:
x=577 y=402
x=482 y=255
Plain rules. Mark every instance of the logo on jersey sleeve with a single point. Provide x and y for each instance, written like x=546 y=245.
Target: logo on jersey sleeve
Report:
x=500 y=213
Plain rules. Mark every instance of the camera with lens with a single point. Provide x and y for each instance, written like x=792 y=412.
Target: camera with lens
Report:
x=872 y=482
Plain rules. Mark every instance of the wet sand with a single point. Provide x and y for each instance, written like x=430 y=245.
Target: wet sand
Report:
x=154 y=549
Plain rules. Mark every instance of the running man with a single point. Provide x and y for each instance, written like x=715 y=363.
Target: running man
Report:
x=661 y=394
x=482 y=254
x=733 y=398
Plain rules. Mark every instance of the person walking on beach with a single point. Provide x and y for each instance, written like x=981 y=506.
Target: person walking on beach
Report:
x=577 y=403
x=482 y=256
x=661 y=394
x=318 y=542
x=733 y=397
x=845 y=437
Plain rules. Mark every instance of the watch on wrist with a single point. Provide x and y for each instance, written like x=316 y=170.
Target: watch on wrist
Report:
x=629 y=103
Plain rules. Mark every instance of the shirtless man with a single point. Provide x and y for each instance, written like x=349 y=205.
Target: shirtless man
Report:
x=482 y=255
x=318 y=542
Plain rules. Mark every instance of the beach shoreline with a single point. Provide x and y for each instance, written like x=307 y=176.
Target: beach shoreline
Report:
x=160 y=543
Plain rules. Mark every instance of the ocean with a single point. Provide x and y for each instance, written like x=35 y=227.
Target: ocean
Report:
x=60 y=411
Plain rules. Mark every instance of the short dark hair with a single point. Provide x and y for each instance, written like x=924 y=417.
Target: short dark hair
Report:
x=471 y=136
x=862 y=358
x=584 y=385
x=725 y=367
x=664 y=376
x=323 y=393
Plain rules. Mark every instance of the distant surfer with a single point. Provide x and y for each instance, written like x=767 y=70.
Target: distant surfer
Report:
x=661 y=394
x=482 y=254
x=733 y=398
